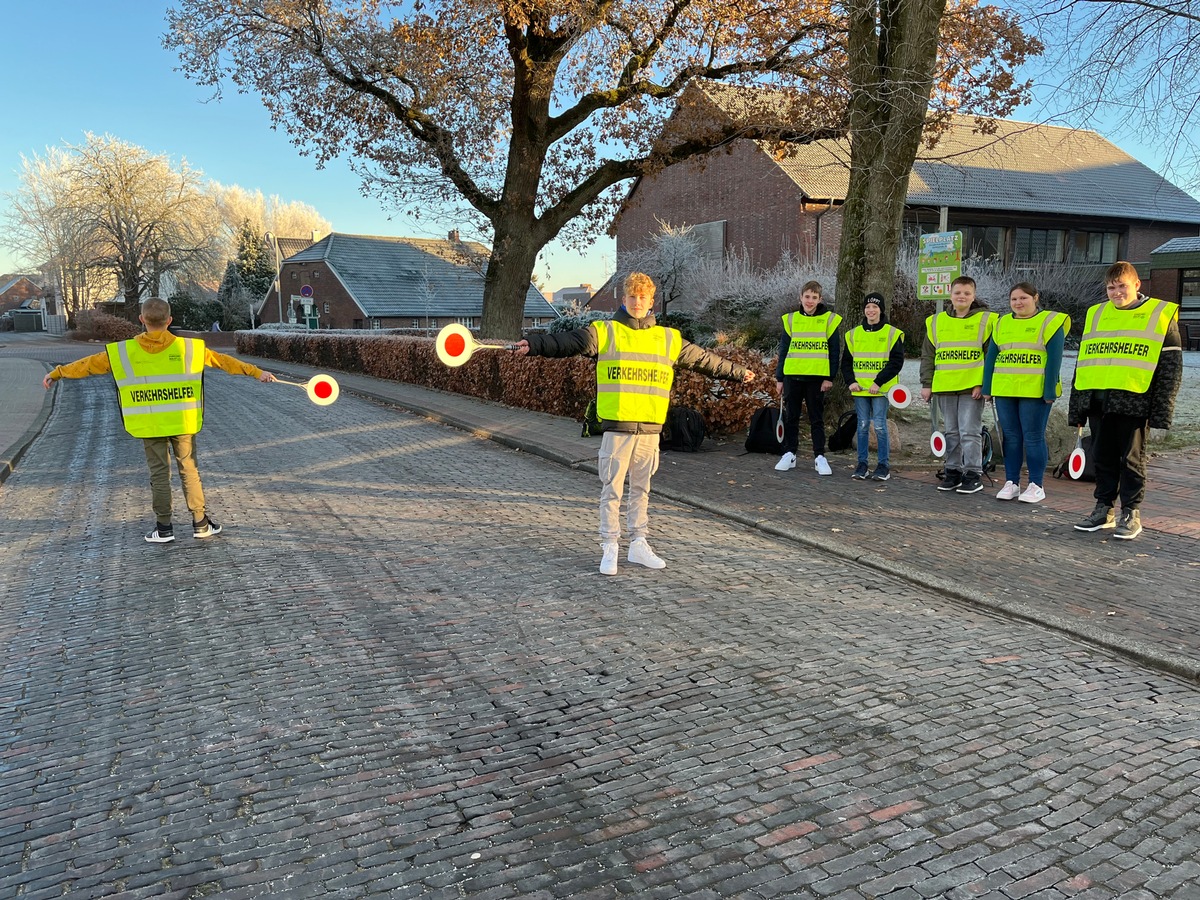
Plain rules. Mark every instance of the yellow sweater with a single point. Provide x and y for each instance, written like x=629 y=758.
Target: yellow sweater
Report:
x=151 y=342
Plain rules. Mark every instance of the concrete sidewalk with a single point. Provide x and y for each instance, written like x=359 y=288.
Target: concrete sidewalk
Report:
x=1019 y=560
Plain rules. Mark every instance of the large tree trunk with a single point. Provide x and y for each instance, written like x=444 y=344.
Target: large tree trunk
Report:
x=506 y=282
x=893 y=49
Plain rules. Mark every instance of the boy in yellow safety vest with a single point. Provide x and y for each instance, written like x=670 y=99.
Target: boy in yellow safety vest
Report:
x=1127 y=376
x=871 y=366
x=160 y=387
x=636 y=360
x=952 y=367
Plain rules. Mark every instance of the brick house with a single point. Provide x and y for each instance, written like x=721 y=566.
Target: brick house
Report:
x=357 y=281
x=1029 y=193
x=16 y=291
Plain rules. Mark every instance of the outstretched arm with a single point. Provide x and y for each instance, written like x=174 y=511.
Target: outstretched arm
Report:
x=96 y=364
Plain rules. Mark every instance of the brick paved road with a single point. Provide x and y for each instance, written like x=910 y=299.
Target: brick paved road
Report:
x=398 y=674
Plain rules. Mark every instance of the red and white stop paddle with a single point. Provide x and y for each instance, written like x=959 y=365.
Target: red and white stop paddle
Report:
x=899 y=396
x=455 y=345
x=779 y=421
x=1077 y=460
x=322 y=389
x=937 y=440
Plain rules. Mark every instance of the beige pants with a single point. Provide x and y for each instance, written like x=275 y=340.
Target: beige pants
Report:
x=159 y=459
x=635 y=455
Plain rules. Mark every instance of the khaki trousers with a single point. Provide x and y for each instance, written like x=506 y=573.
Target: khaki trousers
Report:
x=158 y=458
x=621 y=454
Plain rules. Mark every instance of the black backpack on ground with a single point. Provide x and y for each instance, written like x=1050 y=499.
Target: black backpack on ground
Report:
x=683 y=430
x=761 y=437
x=1062 y=470
x=843 y=436
x=591 y=421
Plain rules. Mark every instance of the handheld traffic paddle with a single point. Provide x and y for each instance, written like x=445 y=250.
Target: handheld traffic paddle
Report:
x=937 y=440
x=322 y=389
x=899 y=396
x=779 y=422
x=1077 y=459
x=455 y=345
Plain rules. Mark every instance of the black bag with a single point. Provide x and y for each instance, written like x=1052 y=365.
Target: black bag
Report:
x=989 y=456
x=762 y=436
x=591 y=421
x=683 y=430
x=843 y=436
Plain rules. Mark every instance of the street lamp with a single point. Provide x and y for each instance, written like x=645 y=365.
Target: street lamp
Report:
x=274 y=242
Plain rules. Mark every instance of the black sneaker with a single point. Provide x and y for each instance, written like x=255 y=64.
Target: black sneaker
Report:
x=162 y=534
x=881 y=473
x=1129 y=525
x=951 y=481
x=970 y=484
x=861 y=472
x=1103 y=516
x=205 y=528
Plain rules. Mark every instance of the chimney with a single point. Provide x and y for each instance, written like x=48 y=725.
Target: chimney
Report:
x=454 y=237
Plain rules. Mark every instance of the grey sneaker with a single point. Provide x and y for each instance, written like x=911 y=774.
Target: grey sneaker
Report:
x=1103 y=516
x=162 y=534
x=205 y=528
x=1129 y=525
x=861 y=472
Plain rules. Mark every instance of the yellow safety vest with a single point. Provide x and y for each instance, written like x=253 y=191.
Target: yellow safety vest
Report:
x=869 y=352
x=635 y=369
x=808 y=354
x=958 y=349
x=161 y=393
x=1020 y=369
x=1120 y=347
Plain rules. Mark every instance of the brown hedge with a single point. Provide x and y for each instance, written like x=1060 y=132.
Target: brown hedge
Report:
x=560 y=387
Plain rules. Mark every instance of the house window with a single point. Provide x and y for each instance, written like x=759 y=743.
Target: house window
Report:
x=358 y=323
x=983 y=242
x=375 y=325
x=295 y=274
x=416 y=323
x=1094 y=246
x=1036 y=245
x=465 y=321
x=316 y=273
x=327 y=309
x=1189 y=293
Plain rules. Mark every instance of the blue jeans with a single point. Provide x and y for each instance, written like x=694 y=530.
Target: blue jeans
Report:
x=873 y=410
x=1023 y=423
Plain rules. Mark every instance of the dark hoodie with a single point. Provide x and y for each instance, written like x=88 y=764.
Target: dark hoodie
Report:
x=928 y=350
x=835 y=350
x=891 y=368
x=583 y=342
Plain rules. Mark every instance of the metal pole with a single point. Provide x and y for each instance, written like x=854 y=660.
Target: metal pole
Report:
x=278 y=265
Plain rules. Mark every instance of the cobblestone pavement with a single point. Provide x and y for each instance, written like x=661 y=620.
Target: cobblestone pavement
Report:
x=398 y=674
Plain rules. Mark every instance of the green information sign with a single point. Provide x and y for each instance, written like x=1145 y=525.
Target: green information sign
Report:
x=939 y=264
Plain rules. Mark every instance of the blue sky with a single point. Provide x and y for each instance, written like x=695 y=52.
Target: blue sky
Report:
x=73 y=66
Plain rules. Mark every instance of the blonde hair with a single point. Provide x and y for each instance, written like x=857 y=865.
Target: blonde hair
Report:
x=636 y=281
x=156 y=312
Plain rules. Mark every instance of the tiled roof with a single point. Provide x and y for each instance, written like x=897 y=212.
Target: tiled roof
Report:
x=1023 y=167
x=403 y=277
x=1179 y=245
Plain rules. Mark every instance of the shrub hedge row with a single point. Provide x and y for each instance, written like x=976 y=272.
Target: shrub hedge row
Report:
x=560 y=387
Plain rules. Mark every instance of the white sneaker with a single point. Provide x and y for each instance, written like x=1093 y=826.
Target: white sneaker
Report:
x=787 y=461
x=641 y=554
x=821 y=464
x=608 y=565
x=1032 y=494
x=1009 y=491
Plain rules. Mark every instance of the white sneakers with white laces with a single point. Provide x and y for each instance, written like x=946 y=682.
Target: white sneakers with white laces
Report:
x=1032 y=494
x=640 y=554
x=608 y=565
x=1010 y=491
x=821 y=464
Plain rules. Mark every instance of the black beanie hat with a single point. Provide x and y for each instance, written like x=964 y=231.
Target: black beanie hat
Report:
x=874 y=297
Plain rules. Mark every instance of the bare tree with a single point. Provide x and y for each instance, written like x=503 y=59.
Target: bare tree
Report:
x=147 y=217
x=531 y=114
x=1134 y=61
